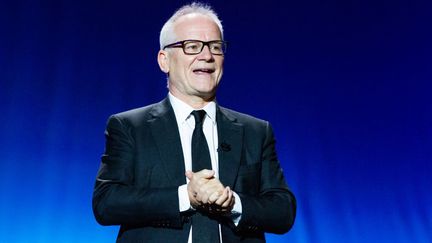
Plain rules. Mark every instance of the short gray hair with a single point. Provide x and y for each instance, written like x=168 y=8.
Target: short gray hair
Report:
x=167 y=35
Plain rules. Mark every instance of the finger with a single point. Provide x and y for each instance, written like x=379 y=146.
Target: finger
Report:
x=189 y=174
x=207 y=190
x=204 y=197
x=227 y=202
x=211 y=185
x=205 y=173
x=216 y=196
x=191 y=192
x=222 y=198
x=196 y=179
x=214 y=184
x=230 y=201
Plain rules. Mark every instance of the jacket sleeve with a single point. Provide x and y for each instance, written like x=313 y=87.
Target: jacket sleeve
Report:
x=116 y=200
x=273 y=207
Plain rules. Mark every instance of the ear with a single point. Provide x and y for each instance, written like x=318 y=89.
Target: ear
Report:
x=163 y=61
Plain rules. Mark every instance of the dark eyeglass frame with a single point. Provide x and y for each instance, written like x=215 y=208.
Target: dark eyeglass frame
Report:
x=181 y=44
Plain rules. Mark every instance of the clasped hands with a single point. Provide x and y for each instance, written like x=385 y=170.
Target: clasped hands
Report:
x=207 y=193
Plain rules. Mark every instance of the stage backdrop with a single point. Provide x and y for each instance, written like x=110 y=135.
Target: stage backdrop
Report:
x=346 y=85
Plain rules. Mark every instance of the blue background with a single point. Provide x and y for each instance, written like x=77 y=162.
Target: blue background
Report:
x=346 y=85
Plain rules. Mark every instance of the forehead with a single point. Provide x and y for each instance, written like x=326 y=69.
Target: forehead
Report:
x=196 y=26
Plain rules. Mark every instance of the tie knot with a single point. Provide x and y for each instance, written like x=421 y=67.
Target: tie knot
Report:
x=198 y=115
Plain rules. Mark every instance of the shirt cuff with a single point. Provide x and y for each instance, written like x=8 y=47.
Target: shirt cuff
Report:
x=236 y=212
x=184 y=202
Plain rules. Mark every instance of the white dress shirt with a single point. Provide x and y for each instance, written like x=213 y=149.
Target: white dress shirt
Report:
x=186 y=125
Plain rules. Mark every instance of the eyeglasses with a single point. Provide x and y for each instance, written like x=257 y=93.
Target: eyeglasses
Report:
x=194 y=47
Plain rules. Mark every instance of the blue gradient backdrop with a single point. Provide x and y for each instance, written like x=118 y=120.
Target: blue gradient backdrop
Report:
x=346 y=85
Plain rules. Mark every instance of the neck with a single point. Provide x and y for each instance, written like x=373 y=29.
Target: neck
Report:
x=196 y=102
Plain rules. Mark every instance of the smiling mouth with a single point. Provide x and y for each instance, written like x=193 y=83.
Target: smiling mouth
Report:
x=203 y=71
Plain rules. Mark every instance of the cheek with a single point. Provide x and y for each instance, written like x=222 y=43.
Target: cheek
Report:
x=220 y=64
x=177 y=64
x=178 y=70
x=186 y=66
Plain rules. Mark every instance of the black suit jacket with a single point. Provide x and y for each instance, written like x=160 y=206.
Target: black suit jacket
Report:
x=142 y=168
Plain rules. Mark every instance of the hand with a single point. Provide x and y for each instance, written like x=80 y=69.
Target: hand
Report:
x=207 y=193
x=224 y=203
x=196 y=186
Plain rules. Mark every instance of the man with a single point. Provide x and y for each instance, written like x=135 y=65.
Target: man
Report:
x=187 y=169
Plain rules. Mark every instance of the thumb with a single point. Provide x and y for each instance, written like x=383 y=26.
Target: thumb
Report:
x=189 y=174
x=208 y=173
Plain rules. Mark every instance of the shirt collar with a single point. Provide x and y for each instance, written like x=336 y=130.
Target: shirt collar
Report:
x=183 y=111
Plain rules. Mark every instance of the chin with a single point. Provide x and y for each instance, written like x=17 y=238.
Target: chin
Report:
x=207 y=94
x=205 y=87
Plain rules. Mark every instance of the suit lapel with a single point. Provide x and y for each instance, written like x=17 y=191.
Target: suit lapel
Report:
x=165 y=132
x=230 y=136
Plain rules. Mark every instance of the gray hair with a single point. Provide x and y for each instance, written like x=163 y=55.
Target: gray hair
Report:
x=167 y=35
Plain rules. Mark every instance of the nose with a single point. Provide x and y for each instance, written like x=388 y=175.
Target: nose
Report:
x=206 y=54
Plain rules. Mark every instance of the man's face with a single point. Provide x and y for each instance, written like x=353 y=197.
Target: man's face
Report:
x=194 y=76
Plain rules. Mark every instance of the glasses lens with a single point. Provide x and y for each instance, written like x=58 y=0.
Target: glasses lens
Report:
x=217 y=47
x=195 y=47
x=192 y=47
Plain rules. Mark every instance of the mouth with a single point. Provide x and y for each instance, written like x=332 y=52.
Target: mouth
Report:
x=203 y=70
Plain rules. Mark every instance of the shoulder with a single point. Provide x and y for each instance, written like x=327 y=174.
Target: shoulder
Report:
x=254 y=129
x=138 y=116
x=241 y=117
x=135 y=113
x=244 y=119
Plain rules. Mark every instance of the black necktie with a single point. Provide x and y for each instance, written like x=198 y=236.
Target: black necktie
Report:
x=200 y=152
x=204 y=229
